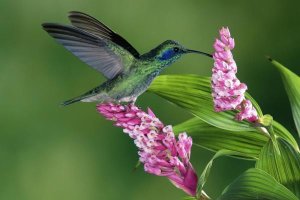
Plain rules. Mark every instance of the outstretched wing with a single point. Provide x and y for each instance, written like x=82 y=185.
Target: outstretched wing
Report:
x=92 y=25
x=97 y=50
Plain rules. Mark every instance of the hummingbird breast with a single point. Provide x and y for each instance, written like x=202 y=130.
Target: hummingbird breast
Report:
x=127 y=87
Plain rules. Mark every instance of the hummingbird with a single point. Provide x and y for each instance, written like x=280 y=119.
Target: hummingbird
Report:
x=128 y=73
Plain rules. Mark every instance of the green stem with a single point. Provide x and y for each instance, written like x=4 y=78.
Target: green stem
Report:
x=203 y=196
x=264 y=131
x=274 y=140
x=271 y=133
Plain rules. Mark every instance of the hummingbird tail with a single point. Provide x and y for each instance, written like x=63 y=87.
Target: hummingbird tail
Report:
x=71 y=101
x=94 y=95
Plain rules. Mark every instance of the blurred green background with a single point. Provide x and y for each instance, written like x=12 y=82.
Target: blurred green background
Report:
x=50 y=152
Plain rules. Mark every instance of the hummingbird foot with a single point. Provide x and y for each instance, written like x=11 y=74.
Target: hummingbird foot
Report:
x=127 y=100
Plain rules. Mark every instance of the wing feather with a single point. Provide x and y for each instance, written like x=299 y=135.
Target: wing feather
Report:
x=92 y=25
x=89 y=48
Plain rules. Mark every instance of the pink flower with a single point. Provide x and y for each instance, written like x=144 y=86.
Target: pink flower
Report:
x=159 y=151
x=247 y=112
x=227 y=90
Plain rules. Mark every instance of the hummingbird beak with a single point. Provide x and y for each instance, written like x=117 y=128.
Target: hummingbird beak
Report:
x=199 y=52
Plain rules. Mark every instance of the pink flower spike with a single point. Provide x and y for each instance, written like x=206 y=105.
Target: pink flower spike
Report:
x=247 y=111
x=189 y=183
x=159 y=151
x=227 y=91
x=225 y=32
x=151 y=113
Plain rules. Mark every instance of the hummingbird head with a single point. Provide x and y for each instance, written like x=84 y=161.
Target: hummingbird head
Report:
x=170 y=51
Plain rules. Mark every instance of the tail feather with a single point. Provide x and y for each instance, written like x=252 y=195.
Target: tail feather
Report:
x=90 y=96
x=71 y=101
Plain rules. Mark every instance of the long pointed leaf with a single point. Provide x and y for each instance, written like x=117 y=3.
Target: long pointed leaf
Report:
x=193 y=93
x=212 y=130
x=247 y=144
x=284 y=133
x=291 y=83
x=282 y=161
x=255 y=184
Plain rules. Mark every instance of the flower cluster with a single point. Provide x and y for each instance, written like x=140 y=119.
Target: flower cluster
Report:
x=227 y=91
x=159 y=151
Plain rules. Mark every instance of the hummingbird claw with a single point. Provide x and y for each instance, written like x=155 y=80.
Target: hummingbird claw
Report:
x=133 y=101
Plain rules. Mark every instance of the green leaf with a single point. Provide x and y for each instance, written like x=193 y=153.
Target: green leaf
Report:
x=247 y=144
x=255 y=184
x=193 y=93
x=282 y=161
x=291 y=83
x=284 y=133
x=210 y=129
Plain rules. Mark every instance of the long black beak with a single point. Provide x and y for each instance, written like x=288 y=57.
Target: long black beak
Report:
x=199 y=52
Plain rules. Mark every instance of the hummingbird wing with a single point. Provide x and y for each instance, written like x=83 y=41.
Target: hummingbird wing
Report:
x=99 y=53
x=92 y=25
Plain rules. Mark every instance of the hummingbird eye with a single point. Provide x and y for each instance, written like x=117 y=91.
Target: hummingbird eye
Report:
x=175 y=49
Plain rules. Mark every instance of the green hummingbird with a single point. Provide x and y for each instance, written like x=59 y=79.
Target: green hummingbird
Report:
x=128 y=73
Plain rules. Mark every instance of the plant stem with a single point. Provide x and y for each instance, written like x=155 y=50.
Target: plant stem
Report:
x=204 y=196
x=264 y=131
